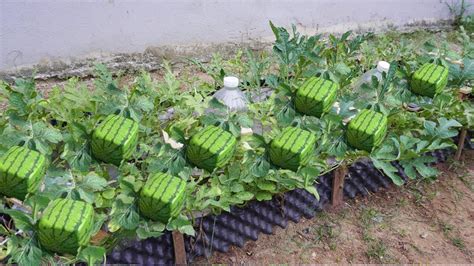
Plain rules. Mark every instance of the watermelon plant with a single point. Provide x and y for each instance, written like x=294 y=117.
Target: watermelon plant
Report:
x=83 y=169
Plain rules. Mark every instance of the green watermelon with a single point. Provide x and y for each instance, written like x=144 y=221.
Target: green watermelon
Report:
x=162 y=197
x=316 y=96
x=367 y=130
x=21 y=172
x=211 y=148
x=292 y=148
x=429 y=80
x=66 y=225
x=115 y=139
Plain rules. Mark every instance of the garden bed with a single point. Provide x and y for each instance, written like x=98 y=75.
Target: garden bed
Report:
x=251 y=182
x=220 y=232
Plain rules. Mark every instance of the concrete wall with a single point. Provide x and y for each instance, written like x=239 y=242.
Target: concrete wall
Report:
x=32 y=31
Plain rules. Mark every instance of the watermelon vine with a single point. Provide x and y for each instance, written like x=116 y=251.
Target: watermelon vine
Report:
x=113 y=160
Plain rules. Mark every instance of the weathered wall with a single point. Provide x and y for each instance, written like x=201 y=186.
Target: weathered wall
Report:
x=53 y=32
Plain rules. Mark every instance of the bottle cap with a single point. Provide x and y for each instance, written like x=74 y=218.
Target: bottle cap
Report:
x=231 y=82
x=383 y=66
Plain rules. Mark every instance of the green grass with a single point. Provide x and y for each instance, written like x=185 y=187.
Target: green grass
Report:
x=327 y=233
x=377 y=251
x=452 y=234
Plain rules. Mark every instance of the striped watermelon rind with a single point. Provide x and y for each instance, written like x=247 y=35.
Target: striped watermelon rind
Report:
x=115 y=139
x=316 y=96
x=162 y=197
x=429 y=80
x=292 y=148
x=66 y=225
x=367 y=130
x=21 y=172
x=211 y=148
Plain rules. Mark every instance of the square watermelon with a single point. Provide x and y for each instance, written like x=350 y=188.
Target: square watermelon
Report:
x=162 y=197
x=367 y=130
x=429 y=80
x=115 y=139
x=211 y=148
x=292 y=148
x=66 y=225
x=21 y=172
x=316 y=96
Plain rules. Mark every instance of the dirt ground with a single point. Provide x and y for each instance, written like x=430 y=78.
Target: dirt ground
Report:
x=422 y=222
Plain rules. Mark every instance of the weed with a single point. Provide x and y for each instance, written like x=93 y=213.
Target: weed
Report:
x=458 y=242
x=452 y=234
x=420 y=193
x=370 y=216
x=402 y=202
x=326 y=232
x=377 y=251
x=467 y=181
x=366 y=221
x=458 y=10
x=402 y=232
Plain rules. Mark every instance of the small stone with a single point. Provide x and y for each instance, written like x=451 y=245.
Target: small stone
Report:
x=313 y=254
x=424 y=235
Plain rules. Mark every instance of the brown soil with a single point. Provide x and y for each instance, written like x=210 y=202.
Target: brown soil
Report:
x=424 y=222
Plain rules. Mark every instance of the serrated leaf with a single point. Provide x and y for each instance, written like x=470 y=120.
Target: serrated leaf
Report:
x=446 y=128
x=92 y=255
x=77 y=155
x=260 y=167
x=124 y=216
x=42 y=131
x=311 y=189
x=244 y=195
x=17 y=103
x=147 y=231
x=94 y=182
x=27 y=253
x=237 y=187
x=262 y=195
x=266 y=185
x=182 y=224
x=342 y=69
x=389 y=170
x=21 y=219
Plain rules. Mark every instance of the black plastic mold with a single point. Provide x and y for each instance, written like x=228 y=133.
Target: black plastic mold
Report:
x=220 y=232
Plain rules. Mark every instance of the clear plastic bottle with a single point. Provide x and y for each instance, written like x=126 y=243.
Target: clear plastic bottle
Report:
x=231 y=96
x=382 y=66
